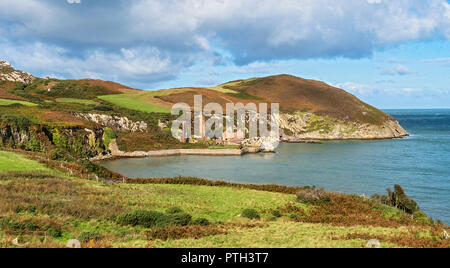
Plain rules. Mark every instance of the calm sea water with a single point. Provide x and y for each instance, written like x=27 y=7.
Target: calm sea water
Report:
x=420 y=163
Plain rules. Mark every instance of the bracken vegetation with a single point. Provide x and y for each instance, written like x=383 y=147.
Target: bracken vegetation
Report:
x=50 y=192
x=312 y=196
x=102 y=215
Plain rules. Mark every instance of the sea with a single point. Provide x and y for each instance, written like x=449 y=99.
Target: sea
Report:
x=419 y=163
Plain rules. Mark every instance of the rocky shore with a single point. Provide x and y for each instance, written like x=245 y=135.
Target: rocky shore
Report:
x=116 y=153
x=310 y=127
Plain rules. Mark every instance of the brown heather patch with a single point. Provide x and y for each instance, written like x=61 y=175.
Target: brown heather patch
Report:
x=4 y=94
x=413 y=240
x=57 y=197
x=197 y=232
x=183 y=232
x=63 y=118
x=28 y=225
x=349 y=210
x=112 y=87
x=292 y=93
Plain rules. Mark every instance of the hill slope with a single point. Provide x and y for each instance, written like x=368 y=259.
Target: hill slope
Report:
x=310 y=109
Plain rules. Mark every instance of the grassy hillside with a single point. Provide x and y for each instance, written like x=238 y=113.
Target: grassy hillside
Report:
x=13 y=162
x=138 y=102
x=5 y=102
x=294 y=95
x=47 y=211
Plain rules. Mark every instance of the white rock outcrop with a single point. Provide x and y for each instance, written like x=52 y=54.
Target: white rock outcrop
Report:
x=114 y=122
x=8 y=73
x=263 y=144
x=308 y=126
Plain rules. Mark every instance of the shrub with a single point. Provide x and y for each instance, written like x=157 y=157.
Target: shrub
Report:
x=29 y=209
x=250 y=214
x=75 y=89
x=201 y=222
x=108 y=136
x=147 y=219
x=276 y=213
x=16 y=120
x=422 y=217
x=33 y=145
x=19 y=86
x=181 y=219
x=103 y=108
x=11 y=226
x=55 y=233
x=312 y=196
x=398 y=199
x=174 y=210
x=59 y=155
x=85 y=237
x=402 y=201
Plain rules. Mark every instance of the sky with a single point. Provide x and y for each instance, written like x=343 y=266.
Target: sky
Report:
x=391 y=54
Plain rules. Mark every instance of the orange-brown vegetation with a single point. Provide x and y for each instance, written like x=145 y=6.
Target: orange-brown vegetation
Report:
x=292 y=93
x=114 y=88
x=5 y=94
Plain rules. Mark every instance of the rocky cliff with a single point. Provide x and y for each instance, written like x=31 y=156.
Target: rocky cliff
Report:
x=115 y=122
x=309 y=126
x=309 y=109
x=8 y=73
x=58 y=143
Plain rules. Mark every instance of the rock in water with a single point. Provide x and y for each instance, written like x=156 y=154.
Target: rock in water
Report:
x=265 y=144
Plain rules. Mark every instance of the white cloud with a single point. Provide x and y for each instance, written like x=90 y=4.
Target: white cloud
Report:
x=398 y=69
x=358 y=88
x=388 y=89
x=436 y=60
x=182 y=32
x=74 y=1
x=136 y=66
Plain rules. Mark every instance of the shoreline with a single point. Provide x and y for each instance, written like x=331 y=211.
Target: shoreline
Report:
x=117 y=154
x=177 y=152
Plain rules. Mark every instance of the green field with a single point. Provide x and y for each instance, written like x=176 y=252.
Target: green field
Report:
x=5 y=102
x=12 y=162
x=136 y=102
x=47 y=212
x=78 y=101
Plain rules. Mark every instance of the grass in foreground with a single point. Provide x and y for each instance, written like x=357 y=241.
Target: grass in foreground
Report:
x=5 y=102
x=47 y=212
x=13 y=162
